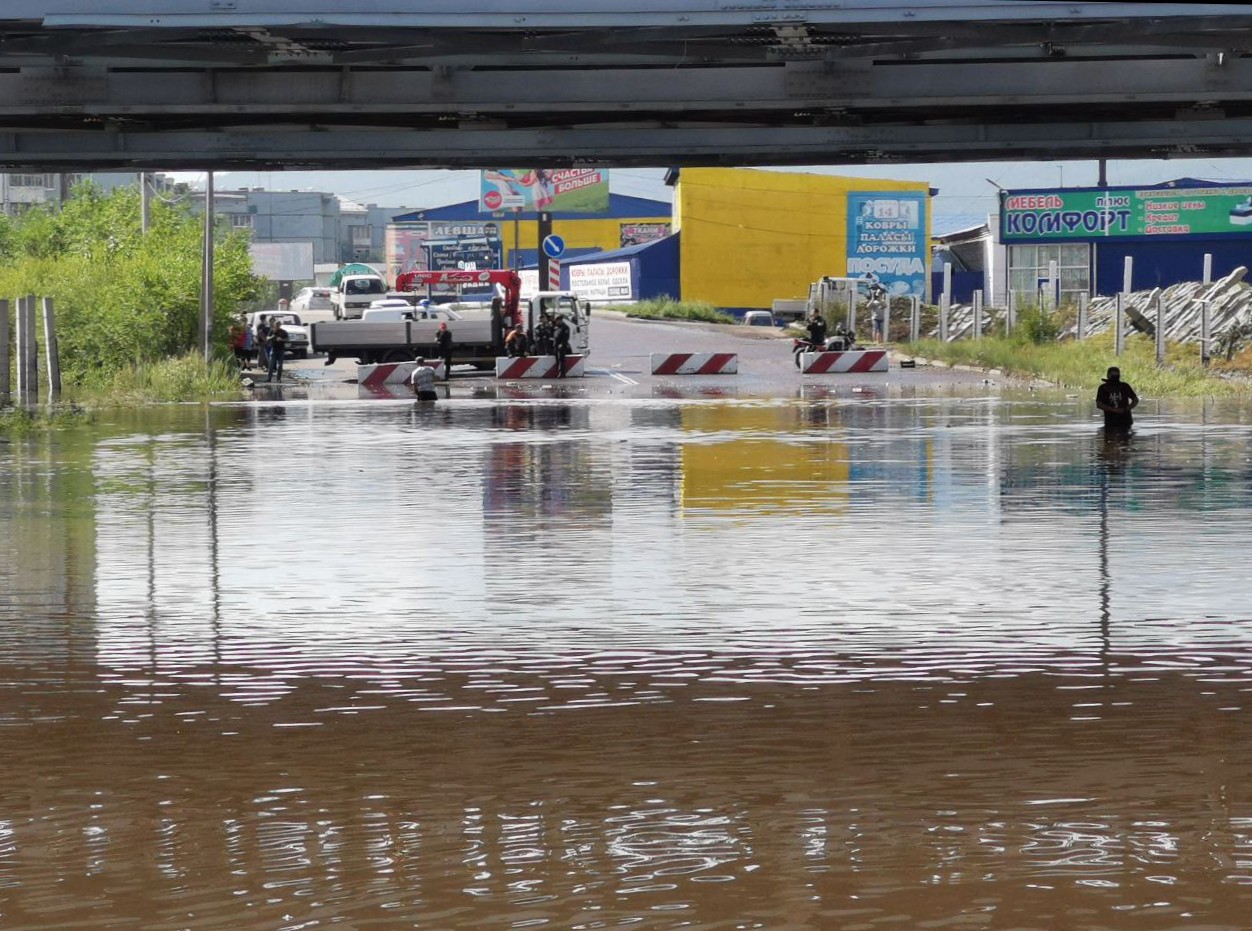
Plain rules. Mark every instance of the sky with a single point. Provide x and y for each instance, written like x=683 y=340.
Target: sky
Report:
x=965 y=189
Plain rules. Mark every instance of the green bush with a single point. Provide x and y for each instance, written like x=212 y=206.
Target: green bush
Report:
x=666 y=308
x=1037 y=325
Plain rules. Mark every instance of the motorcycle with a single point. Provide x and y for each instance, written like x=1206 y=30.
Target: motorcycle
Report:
x=841 y=341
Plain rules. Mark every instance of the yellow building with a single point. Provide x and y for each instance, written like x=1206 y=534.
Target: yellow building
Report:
x=749 y=236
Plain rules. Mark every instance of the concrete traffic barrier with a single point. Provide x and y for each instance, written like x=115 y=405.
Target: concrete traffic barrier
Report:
x=538 y=367
x=392 y=373
x=853 y=360
x=695 y=363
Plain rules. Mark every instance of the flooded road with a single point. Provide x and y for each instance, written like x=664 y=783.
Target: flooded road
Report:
x=890 y=662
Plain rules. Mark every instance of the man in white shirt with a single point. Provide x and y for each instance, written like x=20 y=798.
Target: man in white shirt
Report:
x=423 y=381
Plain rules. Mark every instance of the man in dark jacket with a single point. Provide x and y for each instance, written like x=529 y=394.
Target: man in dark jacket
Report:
x=443 y=341
x=560 y=344
x=1117 y=399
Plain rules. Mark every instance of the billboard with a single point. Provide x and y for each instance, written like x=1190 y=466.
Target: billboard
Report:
x=572 y=190
x=1123 y=213
x=406 y=242
x=464 y=254
x=282 y=261
x=608 y=281
x=887 y=239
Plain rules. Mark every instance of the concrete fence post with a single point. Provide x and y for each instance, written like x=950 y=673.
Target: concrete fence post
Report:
x=851 y=319
x=1010 y=314
x=6 y=396
x=1054 y=296
x=915 y=318
x=1119 y=324
x=1208 y=268
x=1081 y=331
x=1160 y=329
x=51 y=349
x=977 y=315
x=1205 y=355
x=1128 y=275
x=27 y=353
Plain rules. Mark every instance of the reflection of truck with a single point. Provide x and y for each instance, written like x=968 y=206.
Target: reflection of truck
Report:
x=353 y=288
x=476 y=340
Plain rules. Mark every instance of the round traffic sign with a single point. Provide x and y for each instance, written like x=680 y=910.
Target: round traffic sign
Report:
x=553 y=246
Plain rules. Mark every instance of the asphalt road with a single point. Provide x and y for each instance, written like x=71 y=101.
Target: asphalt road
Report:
x=619 y=366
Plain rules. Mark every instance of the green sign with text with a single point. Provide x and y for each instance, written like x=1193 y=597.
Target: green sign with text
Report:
x=1123 y=213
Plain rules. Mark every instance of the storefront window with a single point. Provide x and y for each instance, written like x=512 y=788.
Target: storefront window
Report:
x=1028 y=265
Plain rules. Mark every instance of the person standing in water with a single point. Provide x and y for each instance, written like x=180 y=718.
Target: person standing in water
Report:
x=1117 y=399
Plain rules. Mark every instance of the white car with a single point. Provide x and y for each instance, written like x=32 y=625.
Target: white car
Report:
x=297 y=332
x=311 y=299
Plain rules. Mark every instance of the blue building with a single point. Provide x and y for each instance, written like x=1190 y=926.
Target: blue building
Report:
x=1165 y=230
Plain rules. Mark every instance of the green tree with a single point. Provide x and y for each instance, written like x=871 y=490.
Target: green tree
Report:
x=123 y=297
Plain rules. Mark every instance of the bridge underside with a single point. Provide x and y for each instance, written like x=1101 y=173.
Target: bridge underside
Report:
x=303 y=84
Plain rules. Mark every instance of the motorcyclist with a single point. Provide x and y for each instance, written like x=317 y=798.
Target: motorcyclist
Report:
x=817 y=331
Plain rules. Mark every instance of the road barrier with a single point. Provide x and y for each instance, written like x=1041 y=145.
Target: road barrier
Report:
x=391 y=373
x=695 y=363
x=538 y=367
x=854 y=360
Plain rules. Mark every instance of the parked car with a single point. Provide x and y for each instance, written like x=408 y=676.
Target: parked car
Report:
x=311 y=299
x=759 y=318
x=392 y=311
x=297 y=332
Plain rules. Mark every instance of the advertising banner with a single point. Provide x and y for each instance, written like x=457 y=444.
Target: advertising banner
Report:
x=608 y=281
x=464 y=254
x=572 y=190
x=636 y=234
x=887 y=240
x=1121 y=213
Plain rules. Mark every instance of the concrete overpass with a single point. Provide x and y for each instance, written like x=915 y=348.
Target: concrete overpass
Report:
x=386 y=83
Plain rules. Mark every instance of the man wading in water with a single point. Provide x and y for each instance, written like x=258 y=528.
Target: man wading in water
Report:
x=1117 y=399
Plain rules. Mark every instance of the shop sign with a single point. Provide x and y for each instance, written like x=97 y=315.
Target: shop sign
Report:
x=636 y=234
x=1124 y=213
x=887 y=240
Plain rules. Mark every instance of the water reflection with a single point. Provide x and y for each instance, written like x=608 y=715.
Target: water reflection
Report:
x=840 y=662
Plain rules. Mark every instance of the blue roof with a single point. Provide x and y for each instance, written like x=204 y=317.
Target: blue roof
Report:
x=615 y=254
x=620 y=205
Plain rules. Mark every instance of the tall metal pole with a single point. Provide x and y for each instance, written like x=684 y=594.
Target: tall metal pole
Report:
x=206 y=280
x=145 y=202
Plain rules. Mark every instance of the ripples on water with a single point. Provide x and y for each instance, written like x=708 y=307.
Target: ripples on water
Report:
x=950 y=663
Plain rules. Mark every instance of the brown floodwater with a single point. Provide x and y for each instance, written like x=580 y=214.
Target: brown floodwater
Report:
x=890 y=663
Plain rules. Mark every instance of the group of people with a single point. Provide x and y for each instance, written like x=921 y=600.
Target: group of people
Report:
x=268 y=342
x=551 y=338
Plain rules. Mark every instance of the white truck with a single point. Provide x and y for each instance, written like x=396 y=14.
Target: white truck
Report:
x=356 y=288
x=477 y=339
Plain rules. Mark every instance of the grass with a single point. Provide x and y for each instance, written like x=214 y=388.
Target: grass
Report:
x=1074 y=364
x=181 y=378
x=666 y=308
x=18 y=421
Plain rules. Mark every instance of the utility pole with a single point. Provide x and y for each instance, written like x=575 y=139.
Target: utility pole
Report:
x=206 y=279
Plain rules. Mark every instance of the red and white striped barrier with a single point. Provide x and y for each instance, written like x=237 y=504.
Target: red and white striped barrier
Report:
x=392 y=373
x=854 y=360
x=538 y=367
x=695 y=363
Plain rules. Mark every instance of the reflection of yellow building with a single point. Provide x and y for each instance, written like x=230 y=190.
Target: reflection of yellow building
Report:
x=749 y=236
x=767 y=466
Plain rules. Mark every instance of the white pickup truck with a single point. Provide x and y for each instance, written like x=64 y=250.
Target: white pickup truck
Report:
x=354 y=293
